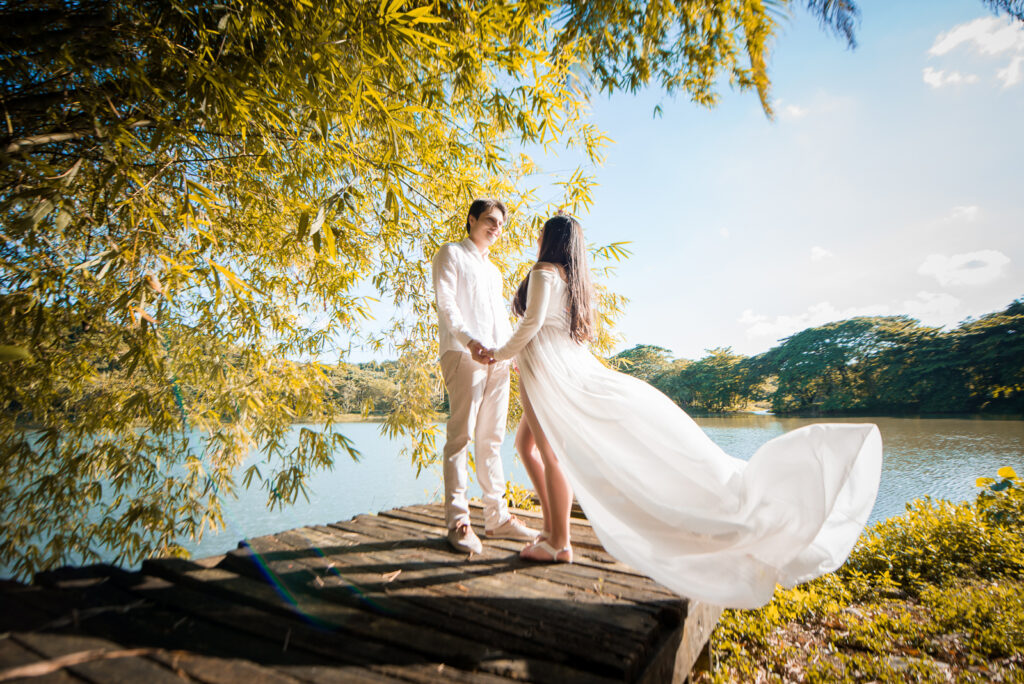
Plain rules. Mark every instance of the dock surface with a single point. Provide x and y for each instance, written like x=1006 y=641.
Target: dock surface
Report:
x=378 y=598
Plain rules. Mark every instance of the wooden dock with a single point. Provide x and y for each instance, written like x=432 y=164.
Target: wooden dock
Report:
x=379 y=598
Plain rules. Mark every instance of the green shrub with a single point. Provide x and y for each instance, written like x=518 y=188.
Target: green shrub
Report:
x=851 y=668
x=517 y=496
x=936 y=542
x=989 y=617
x=935 y=595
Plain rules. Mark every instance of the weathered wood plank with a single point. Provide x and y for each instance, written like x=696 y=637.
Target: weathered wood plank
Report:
x=693 y=635
x=375 y=599
x=517 y=578
x=627 y=630
x=203 y=649
x=478 y=652
x=470 y=619
x=245 y=603
x=512 y=606
x=19 y=614
x=583 y=537
x=475 y=654
x=580 y=610
x=218 y=670
x=598 y=559
x=297 y=649
x=697 y=630
x=579 y=528
x=345 y=603
x=605 y=578
x=14 y=655
x=139 y=669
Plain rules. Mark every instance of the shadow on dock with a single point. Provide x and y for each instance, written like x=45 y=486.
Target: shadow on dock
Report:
x=379 y=598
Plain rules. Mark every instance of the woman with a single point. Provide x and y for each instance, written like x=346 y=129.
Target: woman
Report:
x=660 y=495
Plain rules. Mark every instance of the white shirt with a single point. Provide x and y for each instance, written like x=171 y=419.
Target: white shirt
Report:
x=470 y=303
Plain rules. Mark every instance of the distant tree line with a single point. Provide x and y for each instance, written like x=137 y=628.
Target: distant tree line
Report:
x=366 y=388
x=883 y=365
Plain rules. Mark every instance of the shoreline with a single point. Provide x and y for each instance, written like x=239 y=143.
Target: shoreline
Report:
x=342 y=418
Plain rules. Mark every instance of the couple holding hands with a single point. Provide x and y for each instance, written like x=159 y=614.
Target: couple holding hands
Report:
x=660 y=495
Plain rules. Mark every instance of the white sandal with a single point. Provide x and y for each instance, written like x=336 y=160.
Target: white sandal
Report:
x=550 y=551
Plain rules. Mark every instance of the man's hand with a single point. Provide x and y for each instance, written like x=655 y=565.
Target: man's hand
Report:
x=480 y=353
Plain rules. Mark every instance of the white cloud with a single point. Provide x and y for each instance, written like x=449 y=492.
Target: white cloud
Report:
x=724 y=232
x=762 y=327
x=937 y=78
x=816 y=105
x=795 y=111
x=1013 y=73
x=789 y=111
x=989 y=35
x=971 y=268
x=967 y=213
x=819 y=253
x=931 y=308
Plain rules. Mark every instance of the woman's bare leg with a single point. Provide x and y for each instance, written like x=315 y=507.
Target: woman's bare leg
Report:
x=526 y=446
x=559 y=492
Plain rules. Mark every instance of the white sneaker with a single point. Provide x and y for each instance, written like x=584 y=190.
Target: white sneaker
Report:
x=463 y=539
x=513 y=528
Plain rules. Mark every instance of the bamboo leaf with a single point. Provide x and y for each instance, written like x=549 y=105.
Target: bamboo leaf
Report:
x=14 y=353
x=233 y=280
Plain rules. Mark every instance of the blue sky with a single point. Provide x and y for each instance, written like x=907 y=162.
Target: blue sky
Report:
x=891 y=181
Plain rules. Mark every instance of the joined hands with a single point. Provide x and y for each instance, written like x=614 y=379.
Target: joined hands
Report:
x=480 y=353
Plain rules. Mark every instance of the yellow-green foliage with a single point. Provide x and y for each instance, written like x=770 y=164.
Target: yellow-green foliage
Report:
x=521 y=497
x=937 y=593
x=196 y=199
x=936 y=541
x=988 y=617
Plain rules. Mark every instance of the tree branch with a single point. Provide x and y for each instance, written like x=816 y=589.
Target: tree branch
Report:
x=47 y=138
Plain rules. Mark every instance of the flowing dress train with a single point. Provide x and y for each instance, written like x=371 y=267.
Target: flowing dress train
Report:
x=665 y=499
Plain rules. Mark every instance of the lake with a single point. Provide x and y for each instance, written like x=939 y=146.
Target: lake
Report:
x=935 y=456
x=923 y=456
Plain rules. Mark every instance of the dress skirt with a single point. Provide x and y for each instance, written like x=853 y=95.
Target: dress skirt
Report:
x=665 y=499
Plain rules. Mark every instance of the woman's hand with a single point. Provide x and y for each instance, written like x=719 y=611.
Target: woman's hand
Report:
x=480 y=353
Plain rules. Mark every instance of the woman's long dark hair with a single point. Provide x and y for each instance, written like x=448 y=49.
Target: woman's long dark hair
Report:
x=562 y=243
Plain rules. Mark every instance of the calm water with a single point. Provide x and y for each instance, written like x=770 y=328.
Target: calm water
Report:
x=936 y=457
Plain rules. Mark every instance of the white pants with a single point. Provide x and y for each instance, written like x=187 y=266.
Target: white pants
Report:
x=478 y=399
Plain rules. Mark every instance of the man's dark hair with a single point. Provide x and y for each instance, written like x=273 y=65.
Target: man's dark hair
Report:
x=482 y=205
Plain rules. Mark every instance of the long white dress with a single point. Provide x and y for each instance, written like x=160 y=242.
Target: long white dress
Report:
x=665 y=499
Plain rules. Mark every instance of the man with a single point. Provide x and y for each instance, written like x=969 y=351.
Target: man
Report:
x=471 y=319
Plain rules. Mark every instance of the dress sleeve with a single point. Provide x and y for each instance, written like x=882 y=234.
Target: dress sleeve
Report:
x=446 y=279
x=538 y=293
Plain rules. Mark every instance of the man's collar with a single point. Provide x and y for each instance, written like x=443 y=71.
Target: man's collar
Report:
x=469 y=244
